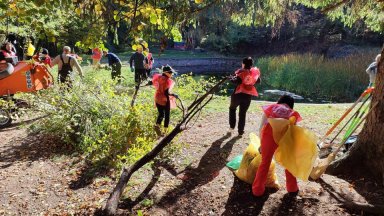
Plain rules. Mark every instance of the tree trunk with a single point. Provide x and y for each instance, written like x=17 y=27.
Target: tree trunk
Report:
x=368 y=152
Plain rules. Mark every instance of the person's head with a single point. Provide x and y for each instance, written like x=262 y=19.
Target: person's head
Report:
x=105 y=52
x=168 y=70
x=247 y=63
x=67 y=50
x=378 y=58
x=44 y=51
x=286 y=99
x=140 y=48
x=8 y=46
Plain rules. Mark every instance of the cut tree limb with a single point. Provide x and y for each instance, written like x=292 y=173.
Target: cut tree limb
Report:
x=193 y=109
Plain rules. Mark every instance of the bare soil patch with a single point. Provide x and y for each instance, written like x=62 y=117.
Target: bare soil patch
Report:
x=41 y=175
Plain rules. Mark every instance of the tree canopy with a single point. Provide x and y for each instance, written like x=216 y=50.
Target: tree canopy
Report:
x=91 y=22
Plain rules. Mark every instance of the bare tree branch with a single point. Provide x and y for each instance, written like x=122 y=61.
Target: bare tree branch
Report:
x=113 y=200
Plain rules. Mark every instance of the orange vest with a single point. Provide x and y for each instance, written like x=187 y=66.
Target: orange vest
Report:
x=162 y=83
x=248 y=81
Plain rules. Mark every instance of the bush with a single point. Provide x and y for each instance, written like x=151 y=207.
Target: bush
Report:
x=95 y=117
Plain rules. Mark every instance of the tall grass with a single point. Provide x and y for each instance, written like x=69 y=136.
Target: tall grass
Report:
x=316 y=77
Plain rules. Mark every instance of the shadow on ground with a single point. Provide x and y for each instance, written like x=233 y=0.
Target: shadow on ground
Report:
x=33 y=147
x=207 y=170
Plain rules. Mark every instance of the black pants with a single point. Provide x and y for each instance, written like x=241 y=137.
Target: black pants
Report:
x=164 y=111
x=242 y=100
x=116 y=71
x=140 y=75
x=64 y=77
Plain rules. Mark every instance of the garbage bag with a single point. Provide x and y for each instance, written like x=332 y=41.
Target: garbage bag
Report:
x=250 y=163
x=235 y=162
x=297 y=149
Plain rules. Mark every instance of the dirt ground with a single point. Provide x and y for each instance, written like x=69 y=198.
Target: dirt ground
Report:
x=41 y=176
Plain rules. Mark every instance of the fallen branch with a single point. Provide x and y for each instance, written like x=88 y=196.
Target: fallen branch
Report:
x=195 y=107
x=135 y=95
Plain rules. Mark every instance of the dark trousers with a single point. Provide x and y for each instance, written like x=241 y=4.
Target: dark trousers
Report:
x=164 y=112
x=242 y=100
x=64 y=77
x=140 y=75
x=116 y=71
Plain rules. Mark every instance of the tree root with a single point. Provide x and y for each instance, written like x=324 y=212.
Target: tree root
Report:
x=350 y=204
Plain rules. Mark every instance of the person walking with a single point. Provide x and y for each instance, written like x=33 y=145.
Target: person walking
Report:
x=115 y=63
x=283 y=109
x=245 y=78
x=66 y=63
x=372 y=71
x=164 y=99
x=136 y=63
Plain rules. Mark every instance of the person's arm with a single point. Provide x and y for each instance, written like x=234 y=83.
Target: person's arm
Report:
x=77 y=66
x=109 y=57
x=131 y=60
x=370 y=68
x=55 y=61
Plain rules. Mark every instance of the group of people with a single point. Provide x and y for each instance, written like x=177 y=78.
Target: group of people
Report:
x=244 y=78
x=139 y=63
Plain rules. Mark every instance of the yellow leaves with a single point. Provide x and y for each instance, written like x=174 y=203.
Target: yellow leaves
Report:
x=98 y=7
x=199 y=1
x=78 y=11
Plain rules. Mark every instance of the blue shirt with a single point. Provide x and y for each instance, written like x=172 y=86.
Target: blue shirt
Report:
x=112 y=58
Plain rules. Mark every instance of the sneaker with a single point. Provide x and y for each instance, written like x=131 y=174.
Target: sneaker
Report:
x=241 y=133
x=157 y=130
x=230 y=131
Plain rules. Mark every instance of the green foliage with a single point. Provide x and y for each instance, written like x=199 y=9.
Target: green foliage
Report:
x=370 y=11
x=316 y=77
x=95 y=117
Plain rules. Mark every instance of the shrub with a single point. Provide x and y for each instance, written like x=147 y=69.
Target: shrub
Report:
x=316 y=77
x=95 y=117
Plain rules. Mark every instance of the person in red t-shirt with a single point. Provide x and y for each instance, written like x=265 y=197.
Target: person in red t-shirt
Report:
x=245 y=78
x=164 y=99
x=96 y=56
x=43 y=57
x=283 y=109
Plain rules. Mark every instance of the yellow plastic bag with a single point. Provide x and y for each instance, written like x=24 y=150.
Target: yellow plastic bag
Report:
x=297 y=149
x=250 y=163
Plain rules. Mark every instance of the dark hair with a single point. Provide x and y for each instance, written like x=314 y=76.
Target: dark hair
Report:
x=286 y=99
x=168 y=69
x=45 y=51
x=248 y=62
